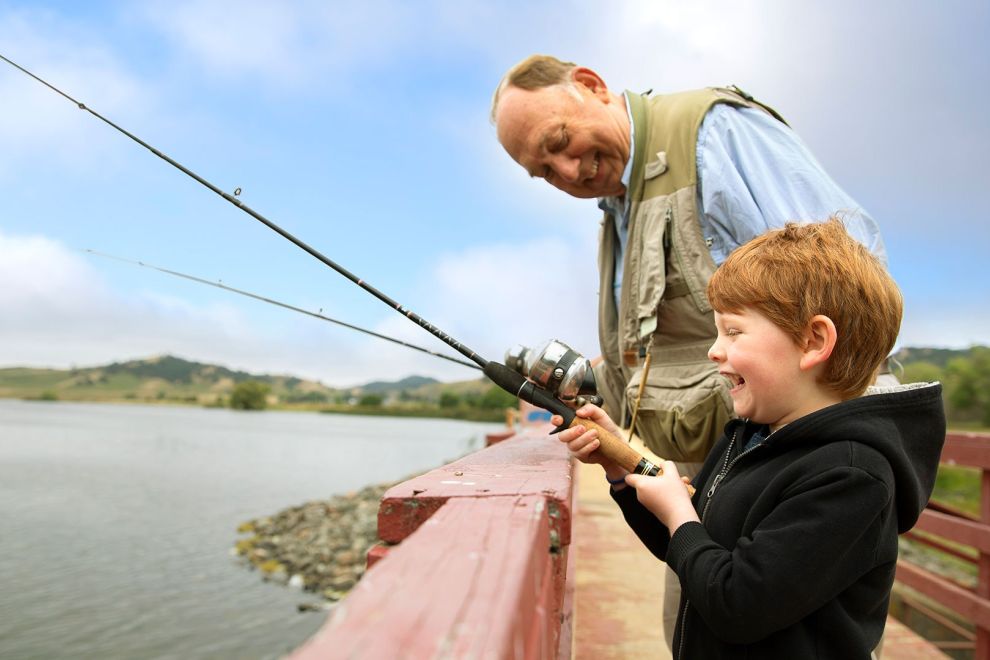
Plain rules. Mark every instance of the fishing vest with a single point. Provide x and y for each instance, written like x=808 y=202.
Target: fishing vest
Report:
x=663 y=308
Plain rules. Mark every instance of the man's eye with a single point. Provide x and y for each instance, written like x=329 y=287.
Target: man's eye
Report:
x=560 y=143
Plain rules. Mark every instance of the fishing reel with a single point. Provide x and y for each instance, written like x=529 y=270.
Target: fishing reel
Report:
x=558 y=369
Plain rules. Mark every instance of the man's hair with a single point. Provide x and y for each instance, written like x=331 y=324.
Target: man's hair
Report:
x=535 y=72
x=792 y=274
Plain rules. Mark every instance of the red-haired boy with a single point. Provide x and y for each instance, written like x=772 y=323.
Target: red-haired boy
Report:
x=788 y=548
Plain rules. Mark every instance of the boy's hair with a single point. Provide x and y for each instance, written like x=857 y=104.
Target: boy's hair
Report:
x=789 y=275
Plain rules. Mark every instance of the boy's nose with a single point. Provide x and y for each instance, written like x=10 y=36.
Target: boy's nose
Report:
x=715 y=353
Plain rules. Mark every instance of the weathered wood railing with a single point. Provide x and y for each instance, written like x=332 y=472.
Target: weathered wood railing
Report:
x=943 y=522
x=478 y=564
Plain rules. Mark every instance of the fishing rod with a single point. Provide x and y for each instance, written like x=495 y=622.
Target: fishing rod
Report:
x=512 y=381
x=272 y=301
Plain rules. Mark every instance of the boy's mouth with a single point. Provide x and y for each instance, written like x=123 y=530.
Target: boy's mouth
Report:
x=735 y=380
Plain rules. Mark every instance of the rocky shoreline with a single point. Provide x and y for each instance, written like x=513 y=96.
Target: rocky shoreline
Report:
x=318 y=547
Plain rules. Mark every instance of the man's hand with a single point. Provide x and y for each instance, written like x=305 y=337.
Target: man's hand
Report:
x=584 y=443
x=665 y=496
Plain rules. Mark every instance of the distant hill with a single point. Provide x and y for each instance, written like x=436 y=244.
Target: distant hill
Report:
x=940 y=357
x=407 y=383
x=168 y=378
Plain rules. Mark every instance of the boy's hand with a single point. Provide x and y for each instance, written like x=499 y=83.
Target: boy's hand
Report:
x=583 y=442
x=665 y=496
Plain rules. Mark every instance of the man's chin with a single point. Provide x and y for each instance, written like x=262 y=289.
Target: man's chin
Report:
x=586 y=192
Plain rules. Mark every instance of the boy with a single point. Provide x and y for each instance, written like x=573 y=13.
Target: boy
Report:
x=788 y=548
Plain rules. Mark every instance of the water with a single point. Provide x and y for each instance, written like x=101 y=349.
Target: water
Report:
x=116 y=521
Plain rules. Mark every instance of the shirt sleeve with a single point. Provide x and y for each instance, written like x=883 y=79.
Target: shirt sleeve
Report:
x=755 y=174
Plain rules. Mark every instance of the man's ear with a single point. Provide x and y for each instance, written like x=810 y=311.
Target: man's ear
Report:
x=819 y=341
x=585 y=77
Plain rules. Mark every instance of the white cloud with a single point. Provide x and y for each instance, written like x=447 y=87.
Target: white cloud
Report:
x=520 y=293
x=72 y=59
x=957 y=323
x=282 y=43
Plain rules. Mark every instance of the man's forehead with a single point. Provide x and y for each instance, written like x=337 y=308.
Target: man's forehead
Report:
x=526 y=117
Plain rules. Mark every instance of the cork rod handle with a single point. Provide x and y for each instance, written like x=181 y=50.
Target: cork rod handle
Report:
x=619 y=451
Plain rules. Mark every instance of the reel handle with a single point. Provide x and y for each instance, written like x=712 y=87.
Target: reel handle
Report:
x=619 y=452
x=612 y=446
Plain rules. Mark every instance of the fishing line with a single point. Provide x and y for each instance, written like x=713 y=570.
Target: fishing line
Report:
x=272 y=301
x=509 y=380
x=416 y=318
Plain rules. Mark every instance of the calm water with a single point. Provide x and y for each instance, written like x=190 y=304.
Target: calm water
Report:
x=116 y=521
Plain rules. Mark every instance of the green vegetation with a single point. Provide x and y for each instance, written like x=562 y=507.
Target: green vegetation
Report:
x=965 y=377
x=958 y=487
x=171 y=380
x=250 y=395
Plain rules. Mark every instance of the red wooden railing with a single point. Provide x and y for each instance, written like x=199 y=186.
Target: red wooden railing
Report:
x=476 y=567
x=476 y=559
x=942 y=522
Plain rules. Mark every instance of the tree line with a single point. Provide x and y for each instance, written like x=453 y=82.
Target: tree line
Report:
x=966 y=385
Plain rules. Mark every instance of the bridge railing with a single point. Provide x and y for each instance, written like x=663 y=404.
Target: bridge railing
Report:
x=946 y=529
x=476 y=563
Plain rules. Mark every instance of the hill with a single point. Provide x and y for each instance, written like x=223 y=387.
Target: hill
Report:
x=940 y=357
x=172 y=379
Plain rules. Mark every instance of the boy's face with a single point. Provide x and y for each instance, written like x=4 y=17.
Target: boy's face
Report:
x=762 y=364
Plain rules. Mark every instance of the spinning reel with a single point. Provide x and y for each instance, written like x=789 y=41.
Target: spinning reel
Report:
x=558 y=369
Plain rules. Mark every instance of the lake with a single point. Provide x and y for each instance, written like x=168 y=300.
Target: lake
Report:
x=116 y=521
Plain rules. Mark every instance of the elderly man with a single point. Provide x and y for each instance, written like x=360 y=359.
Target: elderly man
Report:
x=683 y=180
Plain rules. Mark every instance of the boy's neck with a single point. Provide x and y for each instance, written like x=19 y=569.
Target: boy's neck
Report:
x=815 y=399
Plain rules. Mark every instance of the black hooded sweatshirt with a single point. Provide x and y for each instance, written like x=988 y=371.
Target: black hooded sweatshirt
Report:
x=796 y=550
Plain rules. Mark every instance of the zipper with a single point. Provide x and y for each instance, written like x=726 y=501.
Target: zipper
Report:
x=726 y=466
x=667 y=228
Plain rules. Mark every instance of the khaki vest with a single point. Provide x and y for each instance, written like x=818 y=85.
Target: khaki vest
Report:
x=666 y=268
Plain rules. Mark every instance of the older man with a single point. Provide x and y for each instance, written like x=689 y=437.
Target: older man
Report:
x=683 y=180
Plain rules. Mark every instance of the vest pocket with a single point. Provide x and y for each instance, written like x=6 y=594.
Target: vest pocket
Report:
x=683 y=409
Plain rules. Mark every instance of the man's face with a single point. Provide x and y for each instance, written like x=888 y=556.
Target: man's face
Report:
x=580 y=147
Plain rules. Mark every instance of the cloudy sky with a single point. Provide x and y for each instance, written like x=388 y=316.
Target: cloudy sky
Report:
x=363 y=129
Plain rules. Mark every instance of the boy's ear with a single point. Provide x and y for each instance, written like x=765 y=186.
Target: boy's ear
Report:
x=819 y=341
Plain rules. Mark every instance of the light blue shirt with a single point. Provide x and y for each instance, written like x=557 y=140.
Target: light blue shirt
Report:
x=754 y=174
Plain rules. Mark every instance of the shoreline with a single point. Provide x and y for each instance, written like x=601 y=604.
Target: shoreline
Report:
x=461 y=414
x=318 y=547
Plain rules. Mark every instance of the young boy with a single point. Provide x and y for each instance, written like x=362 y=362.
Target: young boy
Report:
x=788 y=548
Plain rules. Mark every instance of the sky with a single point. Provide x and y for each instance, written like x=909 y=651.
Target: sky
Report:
x=362 y=128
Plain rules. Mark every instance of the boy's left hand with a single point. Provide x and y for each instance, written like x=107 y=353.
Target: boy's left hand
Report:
x=665 y=496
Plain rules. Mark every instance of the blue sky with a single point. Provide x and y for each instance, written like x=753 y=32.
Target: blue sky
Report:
x=363 y=129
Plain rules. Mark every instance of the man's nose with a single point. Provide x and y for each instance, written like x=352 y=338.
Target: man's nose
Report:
x=568 y=169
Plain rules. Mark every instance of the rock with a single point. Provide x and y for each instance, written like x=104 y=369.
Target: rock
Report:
x=317 y=546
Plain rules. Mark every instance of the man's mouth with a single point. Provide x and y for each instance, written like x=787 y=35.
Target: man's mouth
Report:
x=594 y=168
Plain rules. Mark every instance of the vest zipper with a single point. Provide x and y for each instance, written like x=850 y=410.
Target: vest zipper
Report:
x=667 y=228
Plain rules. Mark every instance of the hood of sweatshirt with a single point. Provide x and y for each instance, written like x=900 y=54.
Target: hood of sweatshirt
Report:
x=905 y=423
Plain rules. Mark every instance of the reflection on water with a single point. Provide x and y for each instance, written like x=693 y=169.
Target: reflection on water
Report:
x=117 y=521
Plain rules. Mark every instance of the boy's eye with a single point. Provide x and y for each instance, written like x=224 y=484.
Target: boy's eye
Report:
x=731 y=332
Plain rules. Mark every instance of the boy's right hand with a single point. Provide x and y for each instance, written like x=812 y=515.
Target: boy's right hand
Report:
x=583 y=442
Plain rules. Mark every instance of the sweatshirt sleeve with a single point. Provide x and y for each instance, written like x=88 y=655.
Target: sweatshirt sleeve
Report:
x=646 y=526
x=822 y=536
